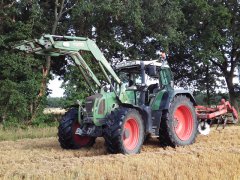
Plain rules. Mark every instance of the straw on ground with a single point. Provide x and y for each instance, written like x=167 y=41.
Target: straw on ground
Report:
x=216 y=156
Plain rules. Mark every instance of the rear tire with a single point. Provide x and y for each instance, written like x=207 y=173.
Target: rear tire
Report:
x=66 y=132
x=125 y=133
x=179 y=123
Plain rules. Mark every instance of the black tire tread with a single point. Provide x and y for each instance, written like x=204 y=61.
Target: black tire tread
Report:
x=113 y=134
x=65 y=134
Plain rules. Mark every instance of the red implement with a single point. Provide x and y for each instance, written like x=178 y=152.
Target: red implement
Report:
x=206 y=113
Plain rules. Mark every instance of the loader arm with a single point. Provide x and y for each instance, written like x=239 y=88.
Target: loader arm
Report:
x=52 y=45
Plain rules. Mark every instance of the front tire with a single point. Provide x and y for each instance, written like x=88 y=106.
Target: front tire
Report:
x=179 y=123
x=125 y=133
x=66 y=132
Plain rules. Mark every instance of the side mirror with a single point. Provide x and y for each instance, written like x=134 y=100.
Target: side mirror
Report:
x=151 y=70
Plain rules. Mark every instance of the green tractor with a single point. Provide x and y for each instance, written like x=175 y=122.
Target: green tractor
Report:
x=138 y=101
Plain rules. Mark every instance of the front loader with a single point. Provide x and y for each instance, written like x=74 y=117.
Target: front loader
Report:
x=139 y=100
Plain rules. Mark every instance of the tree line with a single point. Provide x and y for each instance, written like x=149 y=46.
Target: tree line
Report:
x=201 y=38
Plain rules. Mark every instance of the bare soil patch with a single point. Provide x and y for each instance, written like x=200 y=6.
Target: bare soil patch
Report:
x=216 y=156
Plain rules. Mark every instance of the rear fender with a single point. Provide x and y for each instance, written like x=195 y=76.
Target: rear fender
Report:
x=169 y=95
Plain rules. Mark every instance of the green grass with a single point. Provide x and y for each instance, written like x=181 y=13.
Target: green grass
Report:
x=22 y=132
x=12 y=134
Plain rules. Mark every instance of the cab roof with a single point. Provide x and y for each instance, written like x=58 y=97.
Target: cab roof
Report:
x=136 y=64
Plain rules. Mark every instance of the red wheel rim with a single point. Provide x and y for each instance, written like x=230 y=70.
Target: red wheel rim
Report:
x=80 y=140
x=183 y=122
x=131 y=134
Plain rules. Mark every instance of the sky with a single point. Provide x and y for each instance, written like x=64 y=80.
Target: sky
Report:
x=55 y=86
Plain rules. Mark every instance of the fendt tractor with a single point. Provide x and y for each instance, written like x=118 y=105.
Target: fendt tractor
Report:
x=138 y=100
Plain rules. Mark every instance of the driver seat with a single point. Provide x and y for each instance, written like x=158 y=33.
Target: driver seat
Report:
x=151 y=90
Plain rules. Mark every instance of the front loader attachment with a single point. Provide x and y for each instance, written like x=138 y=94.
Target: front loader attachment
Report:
x=53 y=45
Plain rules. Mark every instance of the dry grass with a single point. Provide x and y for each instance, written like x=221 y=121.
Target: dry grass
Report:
x=216 y=156
x=31 y=132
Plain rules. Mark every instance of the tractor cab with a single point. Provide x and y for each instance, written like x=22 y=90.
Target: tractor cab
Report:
x=143 y=79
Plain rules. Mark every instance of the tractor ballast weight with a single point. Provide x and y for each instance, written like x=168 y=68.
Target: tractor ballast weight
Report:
x=141 y=100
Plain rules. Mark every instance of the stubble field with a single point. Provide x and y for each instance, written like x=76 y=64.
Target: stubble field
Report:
x=216 y=156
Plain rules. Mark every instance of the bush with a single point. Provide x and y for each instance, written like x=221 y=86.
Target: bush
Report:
x=45 y=120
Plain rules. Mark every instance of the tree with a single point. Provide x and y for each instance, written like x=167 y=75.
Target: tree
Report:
x=23 y=20
x=56 y=12
x=213 y=36
x=19 y=74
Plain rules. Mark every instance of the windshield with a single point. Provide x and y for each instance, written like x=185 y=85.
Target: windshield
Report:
x=129 y=79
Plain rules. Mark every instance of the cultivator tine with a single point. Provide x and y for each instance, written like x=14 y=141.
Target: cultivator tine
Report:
x=225 y=122
x=218 y=123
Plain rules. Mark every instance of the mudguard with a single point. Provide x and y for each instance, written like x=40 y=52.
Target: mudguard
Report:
x=168 y=96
